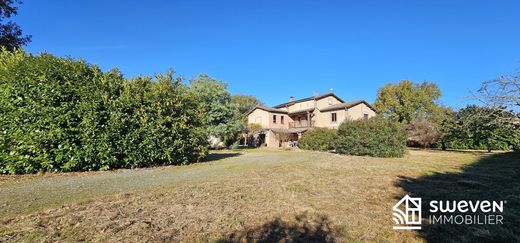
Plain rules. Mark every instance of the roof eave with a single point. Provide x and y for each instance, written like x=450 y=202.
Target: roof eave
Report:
x=307 y=99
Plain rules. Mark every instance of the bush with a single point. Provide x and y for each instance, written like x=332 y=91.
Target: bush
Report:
x=378 y=137
x=320 y=139
x=470 y=129
x=423 y=133
x=60 y=114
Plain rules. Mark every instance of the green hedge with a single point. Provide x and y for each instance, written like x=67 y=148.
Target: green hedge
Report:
x=378 y=137
x=320 y=139
x=60 y=114
x=475 y=127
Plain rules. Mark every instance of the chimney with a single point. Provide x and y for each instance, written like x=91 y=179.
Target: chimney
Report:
x=291 y=99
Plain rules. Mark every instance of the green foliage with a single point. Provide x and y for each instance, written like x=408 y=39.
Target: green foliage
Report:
x=234 y=146
x=378 y=137
x=11 y=36
x=405 y=101
x=61 y=114
x=320 y=139
x=244 y=104
x=254 y=127
x=469 y=129
x=515 y=139
x=219 y=114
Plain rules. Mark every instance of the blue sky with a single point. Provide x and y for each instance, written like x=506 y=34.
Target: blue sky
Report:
x=275 y=49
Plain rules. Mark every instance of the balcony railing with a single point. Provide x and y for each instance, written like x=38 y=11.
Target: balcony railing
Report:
x=299 y=124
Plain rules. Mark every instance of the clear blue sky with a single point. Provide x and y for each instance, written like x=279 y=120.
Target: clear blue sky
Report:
x=275 y=49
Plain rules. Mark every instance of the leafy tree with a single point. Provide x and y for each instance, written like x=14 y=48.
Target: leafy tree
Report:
x=11 y=36
x=405 y=101
x=245 y=103
x=220 y=116
x=254 y=127
x=464 y=131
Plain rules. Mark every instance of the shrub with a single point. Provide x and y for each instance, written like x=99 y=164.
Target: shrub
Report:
x=320 y=139
x=423 y=133
x=60 y=114
x=480 y=128
x=378 y=137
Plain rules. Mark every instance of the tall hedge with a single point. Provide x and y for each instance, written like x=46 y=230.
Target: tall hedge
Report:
x=475 y=127
x=61 y=114
x=320 y=139
x=378 y=137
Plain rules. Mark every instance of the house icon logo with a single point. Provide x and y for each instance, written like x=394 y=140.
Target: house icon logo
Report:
x=407 y=213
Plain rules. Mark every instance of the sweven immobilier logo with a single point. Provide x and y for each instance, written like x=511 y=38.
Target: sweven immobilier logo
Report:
x=407 y=212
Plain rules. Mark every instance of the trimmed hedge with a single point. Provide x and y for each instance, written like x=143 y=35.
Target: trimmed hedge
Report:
x=320 y=139
x=378 y=137
x=60 y=114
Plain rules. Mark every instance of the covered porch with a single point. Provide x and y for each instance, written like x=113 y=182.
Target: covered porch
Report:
x=285 y=138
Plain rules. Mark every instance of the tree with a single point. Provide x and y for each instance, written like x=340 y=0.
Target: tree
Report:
x=245 y=103
x=11 y=36
x=502 y=96
x=405 y=101
x=423 y=132
x=222 y=119
x=466 y=132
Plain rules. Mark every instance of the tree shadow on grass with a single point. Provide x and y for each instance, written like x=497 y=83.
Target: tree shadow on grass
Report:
x=304 y=228
x=495 y=178
x=219 y=156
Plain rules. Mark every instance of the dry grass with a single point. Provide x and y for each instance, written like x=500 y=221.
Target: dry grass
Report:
x=262 y=195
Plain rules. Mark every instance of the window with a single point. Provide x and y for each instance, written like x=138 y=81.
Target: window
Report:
x=274 y=118
x=365 y=116
x=281 y=119
x=333 y=117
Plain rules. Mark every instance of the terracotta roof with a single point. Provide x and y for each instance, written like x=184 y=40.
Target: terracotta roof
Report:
x=307 y=99
x=268 y=109
x=346 y=105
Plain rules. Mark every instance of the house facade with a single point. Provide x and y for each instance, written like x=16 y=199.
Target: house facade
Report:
x=283 y=124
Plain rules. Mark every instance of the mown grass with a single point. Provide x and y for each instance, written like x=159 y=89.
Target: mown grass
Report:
x=253 y=195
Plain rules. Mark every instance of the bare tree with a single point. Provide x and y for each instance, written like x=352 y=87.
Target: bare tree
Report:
x=502 y=96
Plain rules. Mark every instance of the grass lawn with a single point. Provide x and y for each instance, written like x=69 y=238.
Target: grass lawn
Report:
x=264 y=195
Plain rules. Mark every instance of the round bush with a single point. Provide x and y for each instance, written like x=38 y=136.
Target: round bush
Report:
x=377 y=137
x=320 y=139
